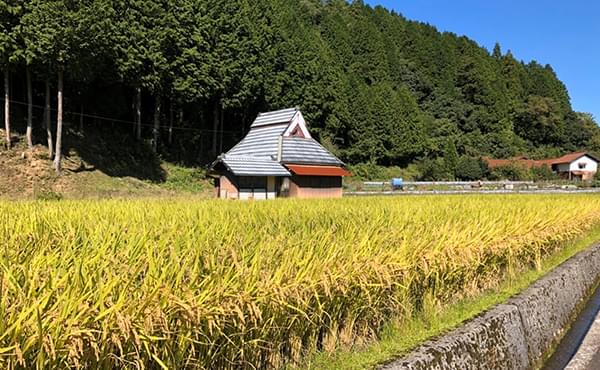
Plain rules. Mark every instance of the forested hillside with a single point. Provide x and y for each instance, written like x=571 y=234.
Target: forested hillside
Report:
x=187 y=77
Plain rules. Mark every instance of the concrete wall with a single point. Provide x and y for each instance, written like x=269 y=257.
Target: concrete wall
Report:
x=517 y=334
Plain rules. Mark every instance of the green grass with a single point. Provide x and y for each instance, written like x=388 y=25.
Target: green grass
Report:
x=185 y=179
x=178 y=181
x=96 y=169
x=399 y=337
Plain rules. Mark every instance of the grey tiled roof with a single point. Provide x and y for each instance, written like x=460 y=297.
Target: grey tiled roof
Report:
x=256 y=154
x=307 y=151
x=253 y=166
x=260 y=141
x=275 y=117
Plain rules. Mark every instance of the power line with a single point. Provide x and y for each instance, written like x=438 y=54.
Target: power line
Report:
x=121 y=120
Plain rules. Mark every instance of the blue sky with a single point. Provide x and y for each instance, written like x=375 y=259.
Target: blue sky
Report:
x=564 y=34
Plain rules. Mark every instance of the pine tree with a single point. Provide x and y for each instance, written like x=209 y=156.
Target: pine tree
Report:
x=9 y=17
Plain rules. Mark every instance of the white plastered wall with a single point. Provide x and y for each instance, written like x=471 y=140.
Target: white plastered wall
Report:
x=298 y=121
x=589 y=165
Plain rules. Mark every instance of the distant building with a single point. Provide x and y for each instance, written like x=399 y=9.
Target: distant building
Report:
x=278 y=158
x=573 y=166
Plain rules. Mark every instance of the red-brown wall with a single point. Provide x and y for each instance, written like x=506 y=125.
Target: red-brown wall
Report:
x=227 y=189
x=305 y=193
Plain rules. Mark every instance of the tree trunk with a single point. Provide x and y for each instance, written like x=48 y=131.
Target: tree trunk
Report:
x=59 y=123
x=7 y=107
x=81 y=118
x=201 y=149
x=221 y=133
x=156 y=128
x=215 y=129
x=138 y=113
x=29 y=108
x=48 y=120
x=243 y=125
x=171 y=123
x=180 y=117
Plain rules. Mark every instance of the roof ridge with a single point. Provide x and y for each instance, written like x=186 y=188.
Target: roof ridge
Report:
x=260 y=114
x=247 y=157
x=275 y=117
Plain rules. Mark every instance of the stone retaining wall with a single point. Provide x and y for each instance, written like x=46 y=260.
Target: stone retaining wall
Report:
x=517 y=334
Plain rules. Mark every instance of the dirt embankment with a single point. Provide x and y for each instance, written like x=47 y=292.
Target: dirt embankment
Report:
x=25 y=173
x=95 y=169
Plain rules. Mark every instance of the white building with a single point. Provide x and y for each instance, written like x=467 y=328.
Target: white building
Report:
x=575 y=166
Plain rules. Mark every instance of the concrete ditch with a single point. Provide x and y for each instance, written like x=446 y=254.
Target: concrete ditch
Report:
x=519 y=333
x=579 y=346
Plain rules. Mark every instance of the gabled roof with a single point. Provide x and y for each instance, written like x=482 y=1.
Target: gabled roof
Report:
x=571 y=157
x=307 y=151
x=251 y=166
x=529 y=163
x=520 y=161
x=260 y=141
x=274 y=118
x=258 y=152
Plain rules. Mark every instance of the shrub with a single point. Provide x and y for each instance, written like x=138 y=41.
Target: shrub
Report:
x=366 y=171
x=434 y=170
x=470 y=169
x=370 y=171
x=185 y=179
x=48 y=195
x=513 y=172
x=543 y=173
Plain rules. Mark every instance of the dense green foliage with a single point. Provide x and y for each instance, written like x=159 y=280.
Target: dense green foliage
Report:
x=374 y=86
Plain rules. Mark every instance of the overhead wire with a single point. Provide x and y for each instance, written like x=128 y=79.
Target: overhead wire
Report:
x=118 y=120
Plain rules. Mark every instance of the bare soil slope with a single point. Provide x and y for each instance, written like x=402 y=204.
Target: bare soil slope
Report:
x=94 y=170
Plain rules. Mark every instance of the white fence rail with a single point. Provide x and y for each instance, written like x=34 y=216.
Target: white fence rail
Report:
x=451 y=183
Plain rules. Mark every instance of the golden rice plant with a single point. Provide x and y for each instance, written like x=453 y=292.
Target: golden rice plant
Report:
x=218 y=284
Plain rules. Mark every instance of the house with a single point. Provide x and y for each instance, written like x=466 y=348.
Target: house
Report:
x=572 y=166
x=278 y=158
x=575 y=166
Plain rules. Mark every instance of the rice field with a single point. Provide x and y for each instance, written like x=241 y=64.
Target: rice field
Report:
x=218 y=284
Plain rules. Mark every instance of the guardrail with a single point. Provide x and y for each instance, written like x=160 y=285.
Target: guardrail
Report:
x=450 y=183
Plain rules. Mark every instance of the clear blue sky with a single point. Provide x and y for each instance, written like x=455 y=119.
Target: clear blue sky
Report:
x=564 y=34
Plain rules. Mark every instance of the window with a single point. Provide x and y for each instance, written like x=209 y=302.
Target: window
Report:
x=582 y=165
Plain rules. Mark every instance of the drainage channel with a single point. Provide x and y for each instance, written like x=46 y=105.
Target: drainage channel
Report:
x=571 y=342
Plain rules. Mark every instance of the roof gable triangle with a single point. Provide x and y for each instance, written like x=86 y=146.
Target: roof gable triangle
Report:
x=297 y=123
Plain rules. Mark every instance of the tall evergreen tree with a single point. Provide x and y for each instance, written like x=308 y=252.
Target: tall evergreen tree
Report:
x=9 y=17
x=374 y=86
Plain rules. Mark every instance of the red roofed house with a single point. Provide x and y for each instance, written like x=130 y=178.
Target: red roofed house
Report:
x=278 y=158
x=572 y=166
x=575 y=166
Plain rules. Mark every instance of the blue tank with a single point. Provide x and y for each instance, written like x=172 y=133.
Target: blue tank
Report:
x=397 y=183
